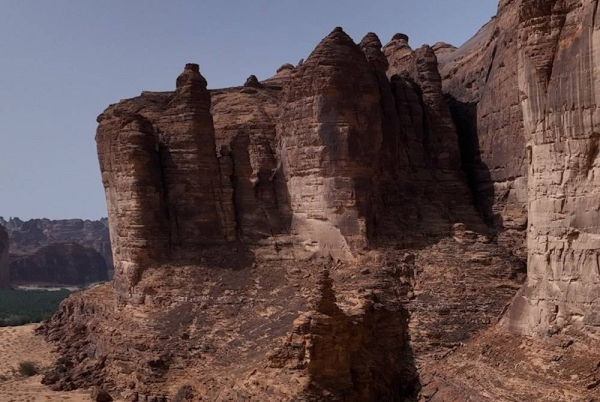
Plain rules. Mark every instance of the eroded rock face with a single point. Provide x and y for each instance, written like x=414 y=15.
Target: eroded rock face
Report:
x=4 y=272
x=162 y=178
x=558 y=83
x=329 y=133
x=279 y=250
x=480 y=80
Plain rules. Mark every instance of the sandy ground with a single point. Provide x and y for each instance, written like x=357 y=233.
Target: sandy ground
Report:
x=19 y=344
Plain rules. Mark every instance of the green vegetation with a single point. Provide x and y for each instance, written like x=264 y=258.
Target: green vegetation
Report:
x=19 y=307
x=27 y=369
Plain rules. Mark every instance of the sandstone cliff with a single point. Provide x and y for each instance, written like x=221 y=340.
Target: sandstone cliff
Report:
x=4 y=272
x=358 y=219
x=558 y=87
x=309 y=210
x=480 y=80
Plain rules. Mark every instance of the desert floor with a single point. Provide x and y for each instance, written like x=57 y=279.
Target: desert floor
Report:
x=19 y=344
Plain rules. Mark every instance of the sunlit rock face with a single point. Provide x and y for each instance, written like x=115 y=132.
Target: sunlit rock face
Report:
x=559 y=77
x=330 y=134
x=162 y=178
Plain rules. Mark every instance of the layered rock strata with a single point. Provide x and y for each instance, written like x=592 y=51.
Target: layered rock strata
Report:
x=480 y=80
x=558 y=84
x=300 y=223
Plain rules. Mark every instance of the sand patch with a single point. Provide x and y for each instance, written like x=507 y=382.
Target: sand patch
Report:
x=20 y=344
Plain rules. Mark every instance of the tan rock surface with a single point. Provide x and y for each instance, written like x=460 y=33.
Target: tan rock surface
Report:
x=558 y=74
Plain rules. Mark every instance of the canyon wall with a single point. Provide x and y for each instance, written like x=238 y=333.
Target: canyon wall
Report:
x=357 y=219
x=558 y=83
x=480 y=80
x=309 y=163
x=314 y=208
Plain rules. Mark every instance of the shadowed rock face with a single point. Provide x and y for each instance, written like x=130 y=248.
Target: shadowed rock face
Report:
x=4 y=272
x=480 y=80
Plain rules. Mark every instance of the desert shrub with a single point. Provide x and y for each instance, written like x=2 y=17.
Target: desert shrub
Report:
x=27 y=369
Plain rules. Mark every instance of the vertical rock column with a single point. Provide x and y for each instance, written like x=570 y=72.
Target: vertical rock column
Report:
x=330 y=134
x=130 y=166
x=190 y=165
x=559 y=59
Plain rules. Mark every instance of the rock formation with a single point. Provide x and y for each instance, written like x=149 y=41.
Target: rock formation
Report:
x=480 y=80
x=27 y=236
x=4 y=272
x=61 y=264
x=358 y=219
x=558 y=84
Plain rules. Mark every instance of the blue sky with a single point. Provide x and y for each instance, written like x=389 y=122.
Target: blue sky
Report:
x=64 y=61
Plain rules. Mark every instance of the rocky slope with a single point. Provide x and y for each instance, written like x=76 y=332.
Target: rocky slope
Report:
x=4 y=270
x=354 y=227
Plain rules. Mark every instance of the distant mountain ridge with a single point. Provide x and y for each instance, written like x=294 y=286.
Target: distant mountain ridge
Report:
x=66 y=251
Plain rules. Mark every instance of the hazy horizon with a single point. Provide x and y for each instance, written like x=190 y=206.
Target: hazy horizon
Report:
x=64 y=62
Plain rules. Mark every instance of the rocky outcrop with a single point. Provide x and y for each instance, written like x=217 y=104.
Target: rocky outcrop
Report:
x=326 y=149
x=302 y=222
x=524 y=106
x=162 y=178
x=59 y=264
x=4 y=272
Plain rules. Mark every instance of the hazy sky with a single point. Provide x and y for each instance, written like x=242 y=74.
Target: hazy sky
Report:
x=63 y=62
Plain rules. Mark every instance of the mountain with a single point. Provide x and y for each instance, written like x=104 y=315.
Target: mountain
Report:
x=64 y=252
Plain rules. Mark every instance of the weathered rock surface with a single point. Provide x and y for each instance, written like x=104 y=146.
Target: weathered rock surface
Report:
x=480 y=80
x=558 y=83
x=329 y=132
x=59 y=263
x=313 y=205
x=323 y=236
x=4 y=272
